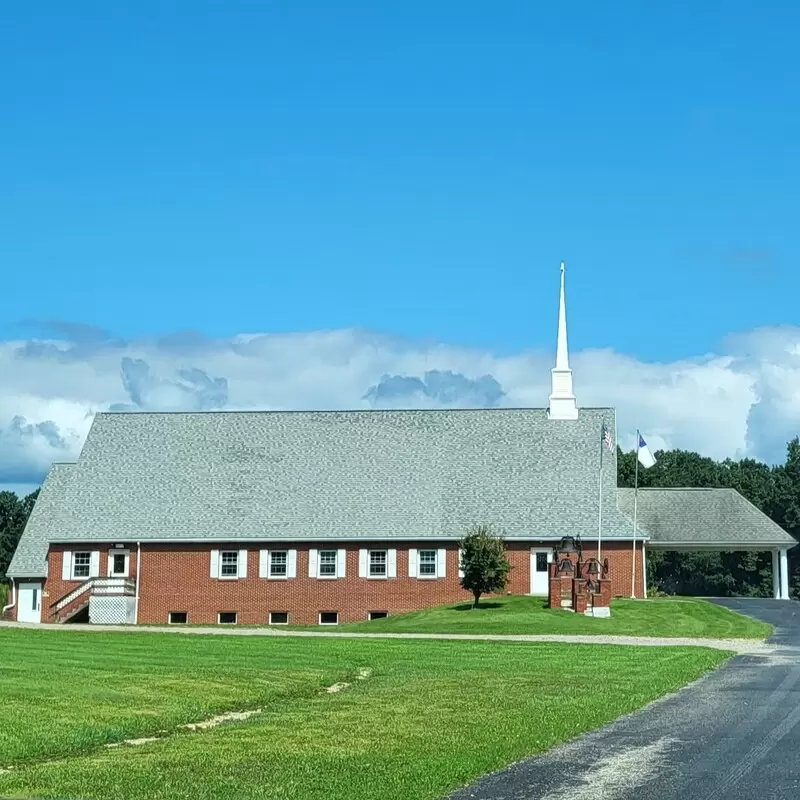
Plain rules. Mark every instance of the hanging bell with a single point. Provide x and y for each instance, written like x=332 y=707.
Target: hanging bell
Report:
x=567 y=545
x=565 y=567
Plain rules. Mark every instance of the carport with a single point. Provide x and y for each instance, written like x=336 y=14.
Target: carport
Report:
x=721 y=520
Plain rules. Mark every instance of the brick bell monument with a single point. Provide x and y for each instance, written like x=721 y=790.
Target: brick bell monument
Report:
x=582 y=587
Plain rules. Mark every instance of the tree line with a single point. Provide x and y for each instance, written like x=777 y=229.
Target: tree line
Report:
x=773 y=489
x=14 y=513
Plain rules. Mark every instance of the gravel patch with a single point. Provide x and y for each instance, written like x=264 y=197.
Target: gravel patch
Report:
x=739 y=646
x=230 y=716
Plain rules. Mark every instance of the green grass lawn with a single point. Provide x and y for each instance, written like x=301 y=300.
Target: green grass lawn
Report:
x=520 y=614
x=433 y=715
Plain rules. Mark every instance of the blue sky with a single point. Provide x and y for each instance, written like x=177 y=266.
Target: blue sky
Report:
x=382 y=193
x=414 y=168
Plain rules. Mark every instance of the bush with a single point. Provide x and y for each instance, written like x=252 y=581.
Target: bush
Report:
x=3 y=595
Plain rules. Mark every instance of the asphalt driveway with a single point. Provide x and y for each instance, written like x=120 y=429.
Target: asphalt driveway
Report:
x=733 y=734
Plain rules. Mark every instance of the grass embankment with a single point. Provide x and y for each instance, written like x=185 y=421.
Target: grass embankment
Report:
x=529 y=615
x=432 y=716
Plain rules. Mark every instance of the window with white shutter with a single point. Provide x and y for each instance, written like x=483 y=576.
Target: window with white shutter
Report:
x=427 y=563
x=229 y=564
x=328 y=560
x=278 y=563
x=81 y=566
x=378 y=564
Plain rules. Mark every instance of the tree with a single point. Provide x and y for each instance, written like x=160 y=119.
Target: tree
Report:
x=14 y=513
x=484 y=562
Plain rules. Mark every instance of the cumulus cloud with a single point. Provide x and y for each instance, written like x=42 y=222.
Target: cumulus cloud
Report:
x=435 y=388
x=189 y=389
x=742 y=400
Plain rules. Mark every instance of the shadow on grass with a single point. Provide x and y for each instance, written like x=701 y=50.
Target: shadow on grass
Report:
x=481 y=606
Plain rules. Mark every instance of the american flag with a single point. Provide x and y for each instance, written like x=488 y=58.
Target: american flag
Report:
x=609 y=442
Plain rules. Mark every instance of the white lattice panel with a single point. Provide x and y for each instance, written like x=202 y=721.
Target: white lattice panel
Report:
x=112 y=610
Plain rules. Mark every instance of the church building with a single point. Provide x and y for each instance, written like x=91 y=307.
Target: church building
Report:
x=328 y=517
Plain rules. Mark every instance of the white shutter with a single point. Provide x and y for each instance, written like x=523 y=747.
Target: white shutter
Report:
x=263 y=564
x=412 y=562
x=341 y=563
x=242 y=564
x=291 y=564
x=110 y=562
x=215 y=563
x=312 y=563
x=460 y=570
x=66 y=565
x=94 y=564
x=391 y=563
x=363 y=563
x=441 y=563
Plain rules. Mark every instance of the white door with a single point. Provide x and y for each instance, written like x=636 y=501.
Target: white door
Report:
x=540 y=558
x=29 y=602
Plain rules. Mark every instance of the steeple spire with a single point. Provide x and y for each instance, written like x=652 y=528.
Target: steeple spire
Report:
x=562 y=398
x=562 y=353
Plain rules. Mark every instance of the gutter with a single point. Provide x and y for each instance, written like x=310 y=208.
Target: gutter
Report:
x=314 y=540
x=727 y=547
x=13 y=599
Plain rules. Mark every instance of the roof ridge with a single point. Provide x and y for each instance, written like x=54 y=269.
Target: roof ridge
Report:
x=496 y=409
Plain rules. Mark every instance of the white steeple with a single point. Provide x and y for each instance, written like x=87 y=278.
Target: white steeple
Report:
x=562 y=399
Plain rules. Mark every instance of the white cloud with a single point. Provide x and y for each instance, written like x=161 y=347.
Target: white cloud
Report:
x=744 y=400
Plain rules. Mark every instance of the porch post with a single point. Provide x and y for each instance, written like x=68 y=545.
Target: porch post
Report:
x=784 y=574
x=776 y=575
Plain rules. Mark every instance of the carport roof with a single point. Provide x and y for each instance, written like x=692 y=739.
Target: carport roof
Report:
x=719 y=519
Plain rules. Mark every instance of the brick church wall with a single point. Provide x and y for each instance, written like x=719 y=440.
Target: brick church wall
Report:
x=176 y=577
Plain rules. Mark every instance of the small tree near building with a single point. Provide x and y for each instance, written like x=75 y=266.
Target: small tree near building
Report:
x=483 y=562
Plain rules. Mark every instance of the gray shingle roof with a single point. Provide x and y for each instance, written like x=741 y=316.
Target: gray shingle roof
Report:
x=686 y=517
x=337 y=475
x=30 y=557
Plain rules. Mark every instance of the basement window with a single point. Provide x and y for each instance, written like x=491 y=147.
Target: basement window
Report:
x=178 y=617
x=328 y=617
x=278 y=617
x=227 y=617
x=378 y=615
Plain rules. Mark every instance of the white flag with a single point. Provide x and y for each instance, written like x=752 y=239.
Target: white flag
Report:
x=646 y=458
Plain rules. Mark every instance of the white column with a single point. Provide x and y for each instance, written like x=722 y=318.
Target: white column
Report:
x=784 y=574
x=776 y=575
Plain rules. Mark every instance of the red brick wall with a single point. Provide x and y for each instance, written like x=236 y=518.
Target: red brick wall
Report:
x=176 y=577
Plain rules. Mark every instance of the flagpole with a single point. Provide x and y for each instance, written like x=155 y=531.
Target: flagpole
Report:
x=635 y=509
x=600 y=494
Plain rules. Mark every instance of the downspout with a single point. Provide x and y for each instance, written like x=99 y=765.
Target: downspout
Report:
x=138 y=573
x=644 y=570
x=13 y=599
